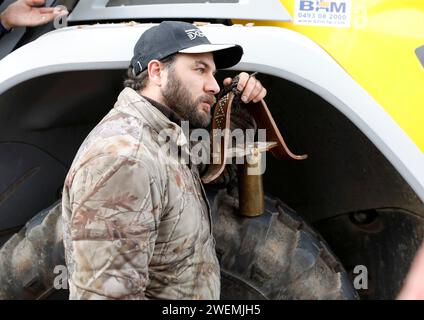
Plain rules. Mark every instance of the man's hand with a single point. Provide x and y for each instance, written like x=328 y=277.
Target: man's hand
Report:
x=413 y=288
x=24 y=13
x=253 y=89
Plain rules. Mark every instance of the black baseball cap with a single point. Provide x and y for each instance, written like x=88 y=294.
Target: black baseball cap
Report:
x=170 y=37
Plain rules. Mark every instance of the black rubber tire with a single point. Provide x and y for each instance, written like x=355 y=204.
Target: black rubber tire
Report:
x=274 y=256
x=28 y=259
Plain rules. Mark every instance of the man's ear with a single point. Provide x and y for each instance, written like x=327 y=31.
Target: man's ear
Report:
x=155 y=70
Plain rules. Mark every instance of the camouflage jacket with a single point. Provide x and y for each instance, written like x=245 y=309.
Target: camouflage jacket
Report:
x=137 y=223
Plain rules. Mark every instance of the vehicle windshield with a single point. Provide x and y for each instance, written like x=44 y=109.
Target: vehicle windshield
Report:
x=116 y=3
x=99 y=10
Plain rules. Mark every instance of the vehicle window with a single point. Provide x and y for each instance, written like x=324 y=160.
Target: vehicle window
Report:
x=96 y=10
x=114 y=3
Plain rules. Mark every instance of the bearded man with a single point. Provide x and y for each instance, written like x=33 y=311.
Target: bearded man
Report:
x=137 y=223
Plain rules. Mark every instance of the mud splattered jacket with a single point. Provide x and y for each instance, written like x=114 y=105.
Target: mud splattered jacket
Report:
x=137 y=222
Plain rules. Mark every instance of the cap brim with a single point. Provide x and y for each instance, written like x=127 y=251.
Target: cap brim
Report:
x=225 y=55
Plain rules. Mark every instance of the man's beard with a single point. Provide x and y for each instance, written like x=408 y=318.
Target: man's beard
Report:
x=179 y=98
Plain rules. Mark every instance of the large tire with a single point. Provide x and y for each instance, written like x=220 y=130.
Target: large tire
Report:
x=274 y=256
x=29 y=258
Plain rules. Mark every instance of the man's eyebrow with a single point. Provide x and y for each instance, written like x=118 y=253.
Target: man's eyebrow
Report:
x=206 y=65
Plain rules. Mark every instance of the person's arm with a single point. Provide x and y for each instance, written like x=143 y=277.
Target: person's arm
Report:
x=414 y=285
x=28 y=13
x=115 y=210
x=3 y=29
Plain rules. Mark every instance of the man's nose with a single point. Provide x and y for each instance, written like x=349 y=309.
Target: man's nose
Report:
x=212 y=85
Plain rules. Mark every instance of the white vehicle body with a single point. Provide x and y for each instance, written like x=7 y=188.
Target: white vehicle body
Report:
x=269 y=50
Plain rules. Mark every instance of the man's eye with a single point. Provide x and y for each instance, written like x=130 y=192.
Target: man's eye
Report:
x=200 y=70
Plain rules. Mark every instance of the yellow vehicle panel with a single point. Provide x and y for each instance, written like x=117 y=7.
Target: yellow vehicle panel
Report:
x=378 y=51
